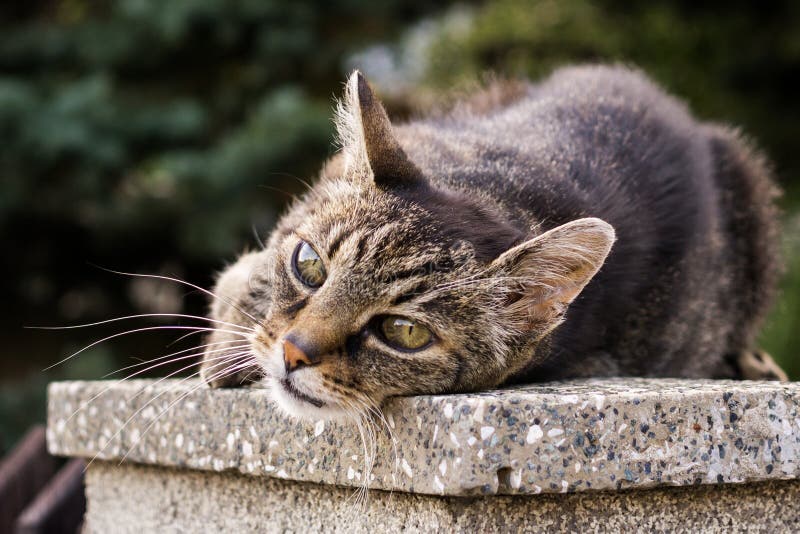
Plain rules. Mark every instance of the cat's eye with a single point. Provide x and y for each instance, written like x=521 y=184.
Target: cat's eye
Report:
x=308 y=265
x=404 y=333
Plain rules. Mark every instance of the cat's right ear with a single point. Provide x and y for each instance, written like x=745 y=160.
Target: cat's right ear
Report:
x=367 y=138
x=543 y=275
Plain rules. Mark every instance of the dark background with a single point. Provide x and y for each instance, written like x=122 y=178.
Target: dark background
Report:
x=160 y=136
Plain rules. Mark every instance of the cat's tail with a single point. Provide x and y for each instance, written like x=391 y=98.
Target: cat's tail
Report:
x=747 y=198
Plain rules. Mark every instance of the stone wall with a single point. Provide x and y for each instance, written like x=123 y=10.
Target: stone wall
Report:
x=719 y=453
x=136 y=499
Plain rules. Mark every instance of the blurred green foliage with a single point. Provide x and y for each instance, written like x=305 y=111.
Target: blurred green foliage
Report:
x=155 y=123
x=154 y=136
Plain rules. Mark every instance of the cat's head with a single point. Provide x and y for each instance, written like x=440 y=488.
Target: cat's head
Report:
x=377 y=283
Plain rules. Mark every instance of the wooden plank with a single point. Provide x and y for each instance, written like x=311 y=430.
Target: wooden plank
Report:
x=23 y=472
x=59 y=507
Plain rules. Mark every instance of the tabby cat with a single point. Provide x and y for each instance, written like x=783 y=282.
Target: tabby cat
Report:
x=585 y=226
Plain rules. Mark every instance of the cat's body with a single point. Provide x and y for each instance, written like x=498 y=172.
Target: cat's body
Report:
x=694 y=263
x=445 y=220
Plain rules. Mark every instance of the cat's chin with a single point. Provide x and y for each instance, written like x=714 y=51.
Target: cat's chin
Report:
x=298 y=404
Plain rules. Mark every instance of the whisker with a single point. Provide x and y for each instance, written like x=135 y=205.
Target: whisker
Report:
x=182 y=338
x=369 y=443
x=376 y=411
x=247 y=376
x=149 y=328
x=206 y=345
x=86 y=404
x=370 y=407
x=305 y=183
x=351 y=414
x=116 y=319
x=260 y=242
x=216 y=376
x=173 y=360
x=189 y=284
x=148 y=403
x=272 y=188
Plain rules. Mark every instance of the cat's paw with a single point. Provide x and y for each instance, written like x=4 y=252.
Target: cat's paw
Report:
x=758 y=365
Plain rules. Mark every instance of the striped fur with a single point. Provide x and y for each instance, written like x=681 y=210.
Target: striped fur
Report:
x=589 y=226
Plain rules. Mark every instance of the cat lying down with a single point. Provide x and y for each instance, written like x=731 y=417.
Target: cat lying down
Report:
x=585 y=226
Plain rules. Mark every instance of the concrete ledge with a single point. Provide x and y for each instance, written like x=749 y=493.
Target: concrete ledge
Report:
x=130 y=498
x=567 y=437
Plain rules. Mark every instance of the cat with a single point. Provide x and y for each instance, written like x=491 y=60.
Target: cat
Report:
x=584 y=226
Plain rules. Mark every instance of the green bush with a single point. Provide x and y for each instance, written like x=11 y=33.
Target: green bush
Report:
x=152 y=136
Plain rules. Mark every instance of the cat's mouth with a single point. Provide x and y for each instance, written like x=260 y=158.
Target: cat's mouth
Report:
x=299 y=395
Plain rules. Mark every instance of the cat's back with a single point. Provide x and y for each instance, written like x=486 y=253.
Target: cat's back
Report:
x=572 y=98
x=588 y=135
x=605 y=141
x=600 y=141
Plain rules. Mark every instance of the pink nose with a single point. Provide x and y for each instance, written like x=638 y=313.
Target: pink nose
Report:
x=293 y=356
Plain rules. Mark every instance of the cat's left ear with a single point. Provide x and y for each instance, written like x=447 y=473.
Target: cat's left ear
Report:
x=542 y=276
x=367 y=137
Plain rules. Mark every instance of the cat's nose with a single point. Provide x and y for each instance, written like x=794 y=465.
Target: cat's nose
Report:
x=294 y=357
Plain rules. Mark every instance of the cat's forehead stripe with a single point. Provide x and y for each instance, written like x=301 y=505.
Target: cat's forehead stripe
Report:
x=406 y=296
x=336 y=242
x=394 y=253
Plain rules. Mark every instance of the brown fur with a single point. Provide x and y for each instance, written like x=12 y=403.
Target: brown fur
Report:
x=494 y=225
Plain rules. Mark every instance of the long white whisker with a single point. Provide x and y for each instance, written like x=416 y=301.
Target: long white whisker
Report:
x=352 y=414
x=225 y=372
x=375 y=410
x=378 y=413
x=149 y=328
x=86 y=404
x=247 y=376
x=139 y=316
x=189 y=284
x=180 y=358
x=206 y=345
x=369 y=445
x=184 y=336
x=225 y=361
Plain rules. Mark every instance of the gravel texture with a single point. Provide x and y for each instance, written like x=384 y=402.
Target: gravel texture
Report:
x=551 y=438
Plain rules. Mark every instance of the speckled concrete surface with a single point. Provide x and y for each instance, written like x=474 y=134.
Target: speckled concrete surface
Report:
x=136 y=499
x=567 y=437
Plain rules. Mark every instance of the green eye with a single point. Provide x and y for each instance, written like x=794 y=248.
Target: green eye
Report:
x=405 y=334
x=308 y=265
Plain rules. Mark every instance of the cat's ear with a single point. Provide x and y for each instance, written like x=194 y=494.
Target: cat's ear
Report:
x=542 y=276
x=366 y=136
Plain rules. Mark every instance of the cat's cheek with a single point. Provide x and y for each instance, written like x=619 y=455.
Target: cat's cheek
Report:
x=428 y=372
x=270 y=365
x=268 y=356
